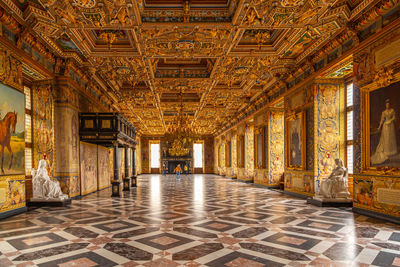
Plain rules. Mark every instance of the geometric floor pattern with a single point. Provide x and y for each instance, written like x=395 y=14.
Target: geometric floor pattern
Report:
x=199 y=220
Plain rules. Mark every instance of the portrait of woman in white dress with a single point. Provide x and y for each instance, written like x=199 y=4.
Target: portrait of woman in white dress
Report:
x=387 y=145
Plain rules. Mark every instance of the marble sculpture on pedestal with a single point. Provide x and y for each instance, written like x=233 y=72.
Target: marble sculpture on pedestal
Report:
x=335 y=186
x=44 y=188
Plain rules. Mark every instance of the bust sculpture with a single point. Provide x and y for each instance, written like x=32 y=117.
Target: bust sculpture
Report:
x=335 y=186
x=43 y=186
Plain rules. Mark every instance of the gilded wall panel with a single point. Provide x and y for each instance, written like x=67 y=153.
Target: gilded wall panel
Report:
x=329 y=130
x=43 y=124
x=377 y=193
x=105 y=170
x=88 y=166
x=249 y=153
x=276 y=155
x=301 y=182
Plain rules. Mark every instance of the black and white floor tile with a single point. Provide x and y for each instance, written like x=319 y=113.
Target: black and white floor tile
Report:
x=199 y=220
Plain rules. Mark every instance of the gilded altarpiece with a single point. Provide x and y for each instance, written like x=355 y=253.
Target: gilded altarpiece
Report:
x=377 y=176
x=12 y=113
x=276 y=155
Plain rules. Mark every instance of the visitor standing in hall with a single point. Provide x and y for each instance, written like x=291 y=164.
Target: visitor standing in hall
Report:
x=185 y=169
x=178 y=171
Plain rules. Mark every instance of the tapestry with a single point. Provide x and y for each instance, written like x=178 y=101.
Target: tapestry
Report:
x=67 y=136
x=88 y=160
x=276 y=147
x=105 y=170
x=43 y=125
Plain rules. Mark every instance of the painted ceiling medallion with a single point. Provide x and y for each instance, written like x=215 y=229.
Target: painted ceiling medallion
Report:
x=84 y=3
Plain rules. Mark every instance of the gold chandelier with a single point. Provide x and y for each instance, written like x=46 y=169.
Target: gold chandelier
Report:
x=178 y=149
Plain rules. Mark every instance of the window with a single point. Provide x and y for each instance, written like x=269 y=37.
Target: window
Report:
x=228 y=155
x=349 y=128
x=28 y=131
x=155 y=155
x=198 y=155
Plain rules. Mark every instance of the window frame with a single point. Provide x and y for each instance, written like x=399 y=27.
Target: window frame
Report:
x=349 y=109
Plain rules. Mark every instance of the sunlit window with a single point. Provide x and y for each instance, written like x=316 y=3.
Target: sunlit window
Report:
x=28 y=131
x=198 y=155
x=349 y=130
x=155 y=155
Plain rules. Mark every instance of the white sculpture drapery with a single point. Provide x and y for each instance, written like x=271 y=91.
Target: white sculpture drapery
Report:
x=43 y=186
x=336 y=185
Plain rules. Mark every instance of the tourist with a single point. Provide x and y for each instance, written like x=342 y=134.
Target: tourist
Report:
x=178 y=171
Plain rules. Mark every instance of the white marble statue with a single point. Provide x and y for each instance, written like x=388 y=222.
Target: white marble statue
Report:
x=336 y=185
x=44 y=187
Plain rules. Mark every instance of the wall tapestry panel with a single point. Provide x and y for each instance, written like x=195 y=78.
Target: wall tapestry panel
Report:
x=277 y=149
x=104 y=167
x=249 y=152
x=234 y=155
x=329 y=131
x=301 y=182
x=378 y=194
x=12 y=140
x=88 y=160
x=43 y=125
x=145 y=155
x=67 y=136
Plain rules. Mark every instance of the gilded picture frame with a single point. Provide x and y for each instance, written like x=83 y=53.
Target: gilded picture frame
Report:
x=370 y=134
x=296 y=141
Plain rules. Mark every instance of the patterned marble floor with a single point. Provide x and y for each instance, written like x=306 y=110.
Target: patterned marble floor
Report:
x=199 y=220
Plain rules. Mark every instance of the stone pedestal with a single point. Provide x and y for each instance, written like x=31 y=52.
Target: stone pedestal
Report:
x=127 y=184
x=51 y=202
x=116 y=187
x=330 y=202
x=133 y=181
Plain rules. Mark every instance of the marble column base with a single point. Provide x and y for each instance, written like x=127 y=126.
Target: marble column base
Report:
x=127 y=184
x=133 y=181
x=52 y=202
x=330 y=202
x=116 y=187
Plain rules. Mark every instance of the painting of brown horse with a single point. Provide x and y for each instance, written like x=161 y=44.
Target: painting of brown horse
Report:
x=12 y=131
x=7 y=126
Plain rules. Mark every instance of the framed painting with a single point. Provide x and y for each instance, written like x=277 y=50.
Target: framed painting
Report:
x=240 y=151
x=382 y=128
x=12 y=131
x=295 y=136
x=259 y=140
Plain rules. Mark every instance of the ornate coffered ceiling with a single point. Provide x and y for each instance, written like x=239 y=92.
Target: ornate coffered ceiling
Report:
x=217 y=57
